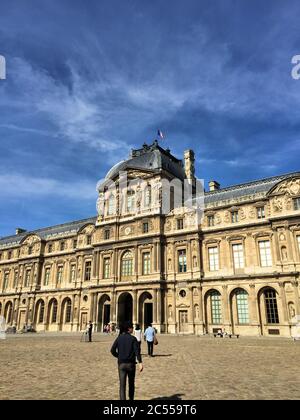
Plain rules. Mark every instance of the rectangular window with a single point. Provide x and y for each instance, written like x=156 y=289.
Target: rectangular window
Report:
x=29 y=250
x=213 y=254
x=182 y=261
x=73 y=273
x=107 y=234
x=260 y=212
x=106 y=268
x=75 y=243
x=27 y=278
x=298 y=240
x=211 y=221
x=50 y=248
x=242 y=307
x=59 y=275
x=234 y=217
x=47 y=276
x=146 y=263
x=88 y=270
x=6 y=281
x=62 y=246
x=238 y=256
x=179 y=224
x=9 y=255
x=89 y=239
x=296 y=203
x=265 y=253
x=145 y=227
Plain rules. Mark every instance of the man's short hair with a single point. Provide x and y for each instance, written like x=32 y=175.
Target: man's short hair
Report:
x=126 y=326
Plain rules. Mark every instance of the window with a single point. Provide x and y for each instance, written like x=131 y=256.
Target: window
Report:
x=234 y=216
x=6 y=280
x=182 y=261
x=179 y=224
x=68 y=310
x=59 y=274
x=74 y=243
x=29 y=250
x=62 y=246
x=73 y=273
x=87 y=271
x=298 y=240
x=213 y=254
x=111 y=205
x=130 y=201
x=238 y=255
x=260 y=212
x=16 y=275
x=147 y=200
x=296 y=203
x=106 y=234
x=106 y=268
x=89 y=239
x=47 y=276
x=50 y=247
x=9 y=255
x=145 y=227
x=127 y=264
x=265 y=253
x=27 y=278
x=146 y=263
x=41 y=313
x=271 y=306
x=242 y=307
x=211 y=221
x=216 y=311
x=54 y=311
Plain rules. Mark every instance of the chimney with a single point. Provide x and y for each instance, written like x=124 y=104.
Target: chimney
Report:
x=20 y=230
x=189 y=164
x=213 y=186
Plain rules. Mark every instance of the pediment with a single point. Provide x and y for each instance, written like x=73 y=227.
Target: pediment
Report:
x=289 y=186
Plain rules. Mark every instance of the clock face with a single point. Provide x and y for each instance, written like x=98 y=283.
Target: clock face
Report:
x=127 y=230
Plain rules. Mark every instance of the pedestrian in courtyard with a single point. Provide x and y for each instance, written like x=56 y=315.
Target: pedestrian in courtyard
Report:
x=138 y=335
x=150 y=336
x=90 y=331
x=126 y=350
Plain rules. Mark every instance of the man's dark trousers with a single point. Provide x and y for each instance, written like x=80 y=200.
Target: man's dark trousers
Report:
x=90 y=334
x=127 y=369
x=150 y=348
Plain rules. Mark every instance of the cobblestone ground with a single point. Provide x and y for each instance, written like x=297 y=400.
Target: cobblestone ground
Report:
x=61 y=367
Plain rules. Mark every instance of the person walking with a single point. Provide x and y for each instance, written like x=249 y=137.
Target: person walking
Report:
x=90 y=331
x=126 y=350
x=149 y=337
x=138 y=335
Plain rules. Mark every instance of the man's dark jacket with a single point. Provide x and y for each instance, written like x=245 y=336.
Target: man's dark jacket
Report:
x=126 y=349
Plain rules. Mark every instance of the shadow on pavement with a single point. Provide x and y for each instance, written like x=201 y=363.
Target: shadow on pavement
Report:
x=170 y=397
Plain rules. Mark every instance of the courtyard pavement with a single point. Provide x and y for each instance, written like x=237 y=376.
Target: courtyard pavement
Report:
x=59 y=366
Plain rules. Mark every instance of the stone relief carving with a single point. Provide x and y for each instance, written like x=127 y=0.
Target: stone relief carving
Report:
x=277 y=204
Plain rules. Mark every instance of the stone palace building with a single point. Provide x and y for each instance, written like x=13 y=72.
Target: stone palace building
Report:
x=237 y=269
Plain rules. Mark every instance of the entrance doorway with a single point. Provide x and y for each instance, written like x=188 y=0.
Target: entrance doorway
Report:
x=148 y=314
x=103 y=312
x=125 y=308
x=145 y=316
x=183 y=321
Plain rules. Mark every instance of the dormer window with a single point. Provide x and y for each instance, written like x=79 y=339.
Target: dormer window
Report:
x=211 y=220
x=62 y=246
x=147 y=196
x=89 y=239
x=261 y=212
x=111 y=205
x=296 y=203
x=179 y=224
x=234 y=217
x=130 y=201
x=30 y=250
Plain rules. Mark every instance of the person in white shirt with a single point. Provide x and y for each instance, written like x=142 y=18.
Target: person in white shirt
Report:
x=138 y=335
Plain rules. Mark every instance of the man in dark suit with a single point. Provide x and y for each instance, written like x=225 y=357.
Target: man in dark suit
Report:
x=90 y=330
x=127 y=350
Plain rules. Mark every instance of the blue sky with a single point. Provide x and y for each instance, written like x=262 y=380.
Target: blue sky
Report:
x=89 y=80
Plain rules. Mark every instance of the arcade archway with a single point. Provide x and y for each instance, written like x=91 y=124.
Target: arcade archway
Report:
x=124 y=308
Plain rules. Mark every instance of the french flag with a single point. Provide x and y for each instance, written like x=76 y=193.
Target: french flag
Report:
x=160 y=134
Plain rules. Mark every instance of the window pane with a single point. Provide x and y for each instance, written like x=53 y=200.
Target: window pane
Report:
x=265 y=253
x=182 y=261
x=242 y=306
x=146 y=263
x=238 y=256
x=106 y=264
x=216 y=311
x=271 y=307
x=296 y=203
x=213 y=253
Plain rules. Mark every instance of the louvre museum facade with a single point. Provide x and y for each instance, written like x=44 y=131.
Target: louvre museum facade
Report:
x=236 y=267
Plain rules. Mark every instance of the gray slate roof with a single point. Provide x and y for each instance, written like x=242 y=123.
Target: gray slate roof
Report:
x=71 y=227
x=242 y=190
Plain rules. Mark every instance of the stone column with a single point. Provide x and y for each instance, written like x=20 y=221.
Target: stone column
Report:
x=284 y=309
x=159 y=313
x=113 y=307
x=154 y=306
x=226 y=310
x=253 y=312
x=192 y=312
x=297 y=297
x=46 y=316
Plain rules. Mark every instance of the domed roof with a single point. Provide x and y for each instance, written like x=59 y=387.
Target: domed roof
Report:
x=149 y=158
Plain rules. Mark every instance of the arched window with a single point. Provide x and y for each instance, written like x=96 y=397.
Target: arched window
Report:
x=127 y=264
x=130 y=201
x=216 y=309
x=8 y=312
x=111 y=205
x=41 y=308
x=68 y=308
x=54 y=311
x=271 y=306
x=242 y=306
